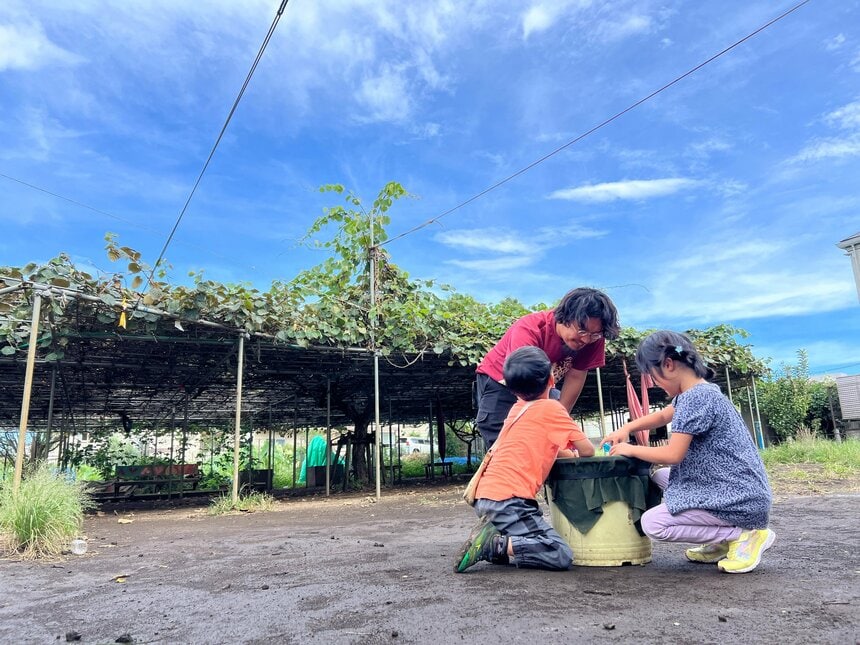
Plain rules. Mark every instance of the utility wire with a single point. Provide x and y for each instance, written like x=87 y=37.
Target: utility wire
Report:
x=215 y=146
x=125 y=220
x=595 y=128
x=71 y=201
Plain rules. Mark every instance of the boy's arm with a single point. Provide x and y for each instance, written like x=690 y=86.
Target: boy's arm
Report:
x=584 y=447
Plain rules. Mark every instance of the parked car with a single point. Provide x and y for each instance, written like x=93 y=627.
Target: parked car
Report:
x=411 y=445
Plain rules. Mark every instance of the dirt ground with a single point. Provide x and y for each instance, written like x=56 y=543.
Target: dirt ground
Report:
x=349 y=569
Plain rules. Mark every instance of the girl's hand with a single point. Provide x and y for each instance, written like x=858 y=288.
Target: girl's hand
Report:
x=619 y=436
x=621 y=450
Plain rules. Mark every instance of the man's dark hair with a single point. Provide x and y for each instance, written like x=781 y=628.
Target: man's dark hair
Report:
x=582 y=303
x=527 y=371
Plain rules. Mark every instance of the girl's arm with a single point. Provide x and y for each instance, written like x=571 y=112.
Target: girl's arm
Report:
x=648 y=422
x=672 y=453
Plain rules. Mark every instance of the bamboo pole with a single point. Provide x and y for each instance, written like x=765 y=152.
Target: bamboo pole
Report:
x=25 y=400
x=758 y=412
x=373 y=322
x=600 y=402
x=238 y=424
x=328 y=437
x=50 y=423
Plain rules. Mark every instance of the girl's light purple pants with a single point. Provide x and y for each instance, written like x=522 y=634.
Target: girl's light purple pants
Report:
x=692 y=526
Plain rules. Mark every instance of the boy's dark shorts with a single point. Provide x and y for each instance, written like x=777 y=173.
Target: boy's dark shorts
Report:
x=494 y=403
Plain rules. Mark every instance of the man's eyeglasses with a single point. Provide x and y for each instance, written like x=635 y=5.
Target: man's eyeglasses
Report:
x=586 y=335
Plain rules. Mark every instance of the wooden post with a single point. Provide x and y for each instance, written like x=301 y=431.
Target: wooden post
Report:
x=758 y=413
x=237 y=430
x=25 y=400
x=328 y=438
x=600 y=402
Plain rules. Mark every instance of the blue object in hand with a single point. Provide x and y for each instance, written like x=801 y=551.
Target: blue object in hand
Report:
x=606 y=448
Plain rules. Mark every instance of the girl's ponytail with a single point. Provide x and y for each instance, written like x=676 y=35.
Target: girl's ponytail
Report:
x=661 y=345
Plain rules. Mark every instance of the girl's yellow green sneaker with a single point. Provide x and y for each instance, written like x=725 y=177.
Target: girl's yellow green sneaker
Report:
x=708 y=553
x=745 y=552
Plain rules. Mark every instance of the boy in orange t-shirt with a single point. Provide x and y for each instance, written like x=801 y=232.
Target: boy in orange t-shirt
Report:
x=536 y=430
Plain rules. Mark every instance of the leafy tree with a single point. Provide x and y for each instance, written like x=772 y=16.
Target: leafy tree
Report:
x=823 y=404
x=785 y=399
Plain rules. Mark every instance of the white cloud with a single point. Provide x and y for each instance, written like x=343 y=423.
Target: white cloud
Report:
x=625 y=27
x=835 y=43
x=510 y=251
x=731 y=278
x=385 y=96
x=483 y=240
x=27 y=47
x=494 y=265
x=830 y=148
x=848 y=116
x=714 y=144
x=636 y=189
x=592 y=21
x=539 y=18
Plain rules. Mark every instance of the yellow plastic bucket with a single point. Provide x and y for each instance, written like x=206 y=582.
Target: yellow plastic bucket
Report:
x=613 y=540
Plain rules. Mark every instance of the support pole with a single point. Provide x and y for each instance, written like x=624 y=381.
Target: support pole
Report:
x=50 y=423
x=836 y=436
x=430 y=437
x=25 y=400
x=729 y=386
x=296 y=442
x=600 y=402
x=758 y=414
x=373 y=322
x=237 y=430
x=377 y=431
x=756 y=429
x=328 y=438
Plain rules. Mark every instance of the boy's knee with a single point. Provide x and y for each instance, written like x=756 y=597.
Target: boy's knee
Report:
x=565 y=556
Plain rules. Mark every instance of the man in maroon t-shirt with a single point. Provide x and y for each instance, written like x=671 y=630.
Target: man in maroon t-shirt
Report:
x=573 y=337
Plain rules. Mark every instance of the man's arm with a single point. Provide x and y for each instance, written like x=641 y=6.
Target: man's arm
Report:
x=574 y=381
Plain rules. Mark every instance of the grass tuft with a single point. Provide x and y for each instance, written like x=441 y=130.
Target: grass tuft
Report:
x=838 y=458
x=44 y=516
x=250 y=503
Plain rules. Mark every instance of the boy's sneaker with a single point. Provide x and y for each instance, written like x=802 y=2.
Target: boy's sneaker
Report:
x=708 y=553
x=745 y=552
x=484 y=543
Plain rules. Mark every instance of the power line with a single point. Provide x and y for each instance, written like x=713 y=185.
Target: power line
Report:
x=106 y=213
x=71 y=201
x=835 y=367
x=215 y=145
x=595 y=128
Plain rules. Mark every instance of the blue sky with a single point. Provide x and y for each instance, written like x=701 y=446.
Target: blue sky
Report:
x=720 y=200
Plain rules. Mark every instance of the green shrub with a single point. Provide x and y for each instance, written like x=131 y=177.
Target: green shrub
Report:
x=45 y=515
